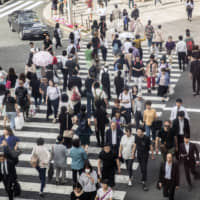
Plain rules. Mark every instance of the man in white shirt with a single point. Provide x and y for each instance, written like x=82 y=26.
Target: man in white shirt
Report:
x=127 y=45
x=102 y=12
x=178 y=108
x=181 y=50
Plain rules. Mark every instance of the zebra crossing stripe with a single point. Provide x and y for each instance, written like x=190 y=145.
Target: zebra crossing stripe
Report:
x=16 y=8
x=34 y=5
x=10 y=6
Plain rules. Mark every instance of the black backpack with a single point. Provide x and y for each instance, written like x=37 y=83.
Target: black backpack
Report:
x=55 y=33
x=105 y=79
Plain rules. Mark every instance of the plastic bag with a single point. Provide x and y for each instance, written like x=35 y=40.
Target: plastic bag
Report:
x=32 y=110
x=19 y=121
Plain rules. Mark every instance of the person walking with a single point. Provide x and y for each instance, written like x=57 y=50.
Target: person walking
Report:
x=149 y=32
x=126 y=152
x=149 y=118
x=58 y=35
x=79 y=156
x=135 y=14
x=189 y=9
x=116 y=15
x=105 y=191
x=116 y=45
x=159 y=37
x=52 y=100
x=142 y=145
x=138 y=72
x=107 y=165
x=189 y=153
x=138 y=109
x=119 y=83
x=195 y=75
x=83 y=131
x=104 y=47
x=103 y=28
x=59 y=156
x=181 y=50
x=163 y=82
x=170 y=46
x=7 y=174
x=88 y=181
x=169 y=177
x=43 y=157
x=151 y=72
x=11 y=108
x=177 y=108
x=168 y=140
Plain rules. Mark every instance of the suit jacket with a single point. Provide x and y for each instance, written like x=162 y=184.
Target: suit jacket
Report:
x=192 y=151
x=109 y=136
x=186 y=128
x=174 y=173
x=11 y=176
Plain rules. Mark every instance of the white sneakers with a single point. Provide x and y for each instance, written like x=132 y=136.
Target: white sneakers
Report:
x=130 y=183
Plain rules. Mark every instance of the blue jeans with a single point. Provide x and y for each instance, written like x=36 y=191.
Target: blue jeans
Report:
x=11 y=117
x=131 y=2
x=42 y=176
x=149 y=42
x=89 y=103
x=55 y=104
x=150 y=129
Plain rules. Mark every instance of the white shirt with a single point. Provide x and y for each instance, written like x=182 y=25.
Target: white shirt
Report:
x=101 y=193
x=102 y=12
x=114 y=137
x=77 y=35
x=181 y=47
x=63 y=59
x=187 y=147
x=126 y=97
x=181 y=125
x=99 y=92
x=127 y=146
x=168 y=170
x=174 y=113
x=53 y=92
x=127 y=45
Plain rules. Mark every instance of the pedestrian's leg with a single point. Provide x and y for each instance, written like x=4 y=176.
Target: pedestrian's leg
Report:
x=140 y=83
x=147 y=129
x=89 y=101
x=12 y=120
x=43 y=179
x=148 y=82
x=184 y=60
x=98 y=137
x=57 y=174
x=102 y=135
x=179 y=60
x=63 y=171
x=153 y=82
x=194 y=84
x=74 y=175
x=187 y=173
x=171 y=191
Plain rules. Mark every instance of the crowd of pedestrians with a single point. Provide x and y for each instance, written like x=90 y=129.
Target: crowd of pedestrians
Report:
x=114 y=131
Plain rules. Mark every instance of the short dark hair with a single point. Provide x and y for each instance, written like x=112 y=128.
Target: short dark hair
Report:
x=140 y=128
x=105 y=181
x=64 y=98
x=40 y=141
x=64 y=52
x=179 y=100
x=180 y=37
x=128 y=129
x=76 y=143
x=181 y=114
x=77 y=185
x=130 y=50
x=148 y=103
x=88 y=46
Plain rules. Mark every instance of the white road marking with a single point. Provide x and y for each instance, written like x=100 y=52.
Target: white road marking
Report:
x=34 y=5
x=10 y=6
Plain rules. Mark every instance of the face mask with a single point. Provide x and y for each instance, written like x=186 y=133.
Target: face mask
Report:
x=87 y=171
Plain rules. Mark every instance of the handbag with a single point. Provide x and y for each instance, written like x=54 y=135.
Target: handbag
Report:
x=19 y=121
x=34 y=161
x=68 y=133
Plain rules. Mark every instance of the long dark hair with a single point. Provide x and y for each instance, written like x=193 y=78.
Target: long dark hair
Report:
x=11 y=72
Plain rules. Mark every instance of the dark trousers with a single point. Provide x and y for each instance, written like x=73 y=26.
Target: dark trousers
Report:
x=38 y=100
x=196 y=84
x=90 y=100
x=109 y=173
x=125 y=26
x=180 y=139
x=141 y=53
x=55 y=104
x=189 y=13
x=106 y=89
x=189 y=166
x=77 y=108
x=138 y=118
x=58 y=42
x=129 y=165
x=91 y=195
x=74 y=174
x=168 y=189
x=143 y=161
x=8 y=187
x=100 y=132
x=182 y=60
x=104 y=53
x=65 y=78
x=128 y=115
x=42 y=176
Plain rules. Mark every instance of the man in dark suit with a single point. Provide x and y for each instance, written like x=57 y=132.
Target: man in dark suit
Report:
x=169 y=177
x=181 y=128
x=113 y=137
x=7 y=174
x=187 y=153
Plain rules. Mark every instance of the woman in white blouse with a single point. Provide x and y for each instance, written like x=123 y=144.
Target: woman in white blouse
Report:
x=52 y=99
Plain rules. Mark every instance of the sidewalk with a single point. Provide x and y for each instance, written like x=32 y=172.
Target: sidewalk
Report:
x=81 y=18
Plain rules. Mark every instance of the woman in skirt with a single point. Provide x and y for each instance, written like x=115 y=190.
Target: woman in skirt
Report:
x=163 y=84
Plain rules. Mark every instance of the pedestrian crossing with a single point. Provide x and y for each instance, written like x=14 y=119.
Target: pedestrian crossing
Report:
x=19 y=5
x=39 y=127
